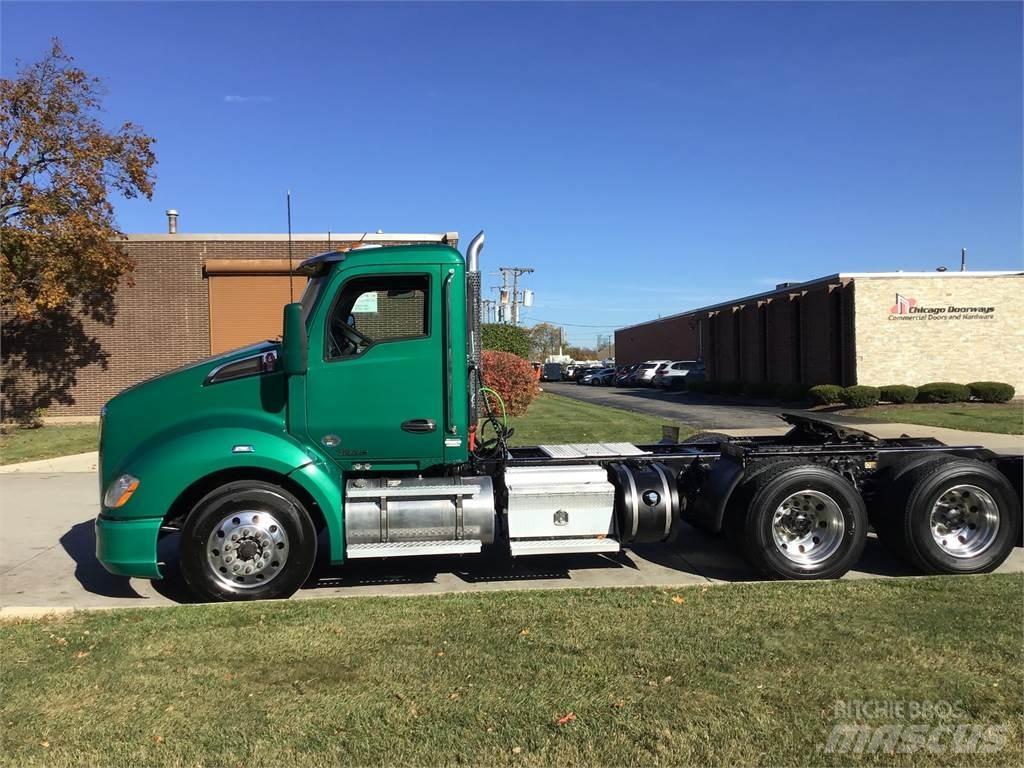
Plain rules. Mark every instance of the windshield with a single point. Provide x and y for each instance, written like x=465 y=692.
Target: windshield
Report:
x=313 y=290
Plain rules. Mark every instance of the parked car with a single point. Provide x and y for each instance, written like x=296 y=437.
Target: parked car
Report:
x=623 y=374
x=667 y=374
x=599 y=377
x=586 y=373
x=645 y=373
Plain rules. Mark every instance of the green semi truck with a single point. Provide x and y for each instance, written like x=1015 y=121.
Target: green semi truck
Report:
x=355 y=436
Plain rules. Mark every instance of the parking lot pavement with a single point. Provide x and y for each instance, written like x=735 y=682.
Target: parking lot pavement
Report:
x=678 y=406
x=47 y=560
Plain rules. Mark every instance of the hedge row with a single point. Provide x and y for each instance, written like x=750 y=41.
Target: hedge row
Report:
x=861 y=396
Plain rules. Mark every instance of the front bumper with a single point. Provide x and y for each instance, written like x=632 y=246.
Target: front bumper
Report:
x=128 y=547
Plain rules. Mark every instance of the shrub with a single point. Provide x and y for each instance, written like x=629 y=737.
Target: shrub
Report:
x=825 y=394
x=991 y=391
x=760 y=390
x=792 y=393
x=859 y=396
x=511 y=377
x=943 y=392
x=505 y=338
x=898 y=393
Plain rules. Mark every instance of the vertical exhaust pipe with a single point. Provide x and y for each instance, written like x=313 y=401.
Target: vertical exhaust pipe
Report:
x=473 y=322
x=473 y=252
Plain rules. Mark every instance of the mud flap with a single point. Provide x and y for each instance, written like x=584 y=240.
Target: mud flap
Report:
x=709 y=506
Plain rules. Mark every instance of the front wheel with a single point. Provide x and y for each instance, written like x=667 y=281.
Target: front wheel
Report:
x=799 y=521
x=247 y=540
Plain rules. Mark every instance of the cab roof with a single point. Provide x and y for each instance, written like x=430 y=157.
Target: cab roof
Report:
x=419 y=253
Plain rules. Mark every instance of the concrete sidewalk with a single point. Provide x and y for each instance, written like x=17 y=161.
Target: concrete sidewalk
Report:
x=78 y=462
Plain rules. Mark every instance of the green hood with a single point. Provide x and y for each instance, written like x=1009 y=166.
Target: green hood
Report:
x=208 y=392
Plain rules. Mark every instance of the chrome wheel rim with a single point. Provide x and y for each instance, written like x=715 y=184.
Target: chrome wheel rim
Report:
x=964 y=521
x=247 y=549
x=808 y=527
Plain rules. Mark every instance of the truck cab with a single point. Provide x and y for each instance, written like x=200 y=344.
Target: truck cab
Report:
x=377 y=385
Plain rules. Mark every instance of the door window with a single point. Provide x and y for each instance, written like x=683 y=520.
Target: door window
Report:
x=378 y=309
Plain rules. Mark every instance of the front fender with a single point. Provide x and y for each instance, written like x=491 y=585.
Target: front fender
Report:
x=166 y=470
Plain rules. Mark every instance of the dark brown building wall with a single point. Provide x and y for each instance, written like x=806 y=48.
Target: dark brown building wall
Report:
x=162 y=321
x=674 y=338
x=723 y=355
x=788 y=336
x=752 y=338
x=783 y=340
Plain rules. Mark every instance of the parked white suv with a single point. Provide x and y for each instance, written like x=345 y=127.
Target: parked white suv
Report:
x=664 y=376
x=645 y=373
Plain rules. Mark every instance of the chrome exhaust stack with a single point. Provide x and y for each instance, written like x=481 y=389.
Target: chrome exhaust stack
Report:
x=473 y=321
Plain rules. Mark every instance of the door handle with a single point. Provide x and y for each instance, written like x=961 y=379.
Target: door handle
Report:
x=419 y=425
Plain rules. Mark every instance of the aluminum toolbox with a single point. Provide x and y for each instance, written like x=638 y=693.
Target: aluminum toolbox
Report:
x=559 y=502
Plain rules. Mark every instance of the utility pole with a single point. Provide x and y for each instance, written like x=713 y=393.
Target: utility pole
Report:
x=510 y=295
x=963 y=259
x=488 y=307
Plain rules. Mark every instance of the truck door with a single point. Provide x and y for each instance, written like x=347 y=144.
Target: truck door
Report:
x=374 y=391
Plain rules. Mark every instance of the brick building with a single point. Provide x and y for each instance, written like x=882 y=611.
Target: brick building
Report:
x=855 y=328
x=190 y=296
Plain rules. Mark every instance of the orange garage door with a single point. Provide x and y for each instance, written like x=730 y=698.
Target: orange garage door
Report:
x=245 y=306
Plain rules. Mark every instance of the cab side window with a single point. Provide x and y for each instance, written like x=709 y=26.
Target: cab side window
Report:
x=378 y=309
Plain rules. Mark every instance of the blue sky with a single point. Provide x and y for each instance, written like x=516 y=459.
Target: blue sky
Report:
x=644 y=159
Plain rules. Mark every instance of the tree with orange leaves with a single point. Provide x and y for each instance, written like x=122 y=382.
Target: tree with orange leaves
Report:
x=60 y=248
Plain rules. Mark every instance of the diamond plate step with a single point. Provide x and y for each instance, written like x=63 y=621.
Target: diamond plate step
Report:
x=561 y=546
x=412 y=548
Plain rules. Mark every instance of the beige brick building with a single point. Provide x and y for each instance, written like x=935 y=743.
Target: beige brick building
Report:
x=961 y=326
x=852 y=328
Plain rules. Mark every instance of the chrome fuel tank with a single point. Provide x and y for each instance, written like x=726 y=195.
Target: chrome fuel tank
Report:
x=393 y=509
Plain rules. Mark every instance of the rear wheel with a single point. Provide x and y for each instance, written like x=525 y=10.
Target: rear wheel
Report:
x=799 y=521
x=247 y=540
x=951 y=515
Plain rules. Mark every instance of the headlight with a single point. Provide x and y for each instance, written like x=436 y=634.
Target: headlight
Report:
x=120 y=491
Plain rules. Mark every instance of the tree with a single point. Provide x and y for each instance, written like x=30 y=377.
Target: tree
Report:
x=59 y=245
x=505 y=338
x=545 y=339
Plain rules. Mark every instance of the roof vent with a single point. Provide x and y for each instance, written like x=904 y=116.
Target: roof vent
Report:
x=790 y=284
x=172 y=221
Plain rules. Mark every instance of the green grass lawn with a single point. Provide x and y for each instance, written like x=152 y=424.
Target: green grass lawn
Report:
x=1005 y=418
x=555 y=419
x=744 y=674
x=47 y=442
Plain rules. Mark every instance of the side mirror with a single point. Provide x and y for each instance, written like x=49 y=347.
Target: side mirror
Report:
x=294 y=342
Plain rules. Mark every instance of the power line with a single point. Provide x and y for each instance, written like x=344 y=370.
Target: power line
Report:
x=571 y=325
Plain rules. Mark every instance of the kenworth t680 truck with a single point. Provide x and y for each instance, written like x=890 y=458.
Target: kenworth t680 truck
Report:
x=356 y=433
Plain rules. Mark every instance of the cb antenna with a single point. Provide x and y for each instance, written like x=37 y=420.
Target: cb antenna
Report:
x=291 y=271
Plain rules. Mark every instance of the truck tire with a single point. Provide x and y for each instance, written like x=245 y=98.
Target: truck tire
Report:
x=247 y=540
x=794 y=520
x=951 y=515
